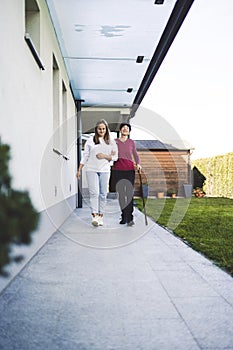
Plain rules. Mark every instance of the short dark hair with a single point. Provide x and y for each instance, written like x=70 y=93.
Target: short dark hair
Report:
x=123 y=124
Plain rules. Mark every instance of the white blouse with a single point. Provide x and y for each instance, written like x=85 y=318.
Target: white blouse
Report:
x=89 y=159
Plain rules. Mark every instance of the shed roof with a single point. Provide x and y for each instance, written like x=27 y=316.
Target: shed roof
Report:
x=159 y=145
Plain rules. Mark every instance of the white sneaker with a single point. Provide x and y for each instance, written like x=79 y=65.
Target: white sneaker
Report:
x=100 y=220
x=95 y=221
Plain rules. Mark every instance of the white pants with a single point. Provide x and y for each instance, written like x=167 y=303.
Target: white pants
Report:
x=98 y=188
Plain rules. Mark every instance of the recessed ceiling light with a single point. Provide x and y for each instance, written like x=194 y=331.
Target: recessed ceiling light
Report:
x=159 y=2
x=140 y=59
x=129 y=90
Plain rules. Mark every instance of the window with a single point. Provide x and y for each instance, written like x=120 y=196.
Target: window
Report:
x=64 y=119
x=32 y=22
x=56 y=110
x=32 y=29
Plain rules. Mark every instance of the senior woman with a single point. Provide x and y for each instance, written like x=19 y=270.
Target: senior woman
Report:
x=124 y=173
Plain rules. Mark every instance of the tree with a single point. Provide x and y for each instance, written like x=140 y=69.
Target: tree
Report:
x=18 y=218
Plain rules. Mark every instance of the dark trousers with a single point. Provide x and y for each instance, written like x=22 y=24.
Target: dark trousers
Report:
x=124 y=185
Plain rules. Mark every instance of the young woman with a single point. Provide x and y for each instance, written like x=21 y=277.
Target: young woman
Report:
x=99 y=151
x=123 y=173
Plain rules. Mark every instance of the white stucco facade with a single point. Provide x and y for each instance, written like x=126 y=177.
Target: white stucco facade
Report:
x=33 y=104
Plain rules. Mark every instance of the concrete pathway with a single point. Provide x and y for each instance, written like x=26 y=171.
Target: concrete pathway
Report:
x=117 y=288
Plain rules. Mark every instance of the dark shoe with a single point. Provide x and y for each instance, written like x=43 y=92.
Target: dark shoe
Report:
x=122 y=222
x=131 y=223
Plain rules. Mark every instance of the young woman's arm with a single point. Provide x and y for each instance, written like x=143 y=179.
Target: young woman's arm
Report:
x=78 y=174
x=85 y=156
x=113 y=156
x=114 y=152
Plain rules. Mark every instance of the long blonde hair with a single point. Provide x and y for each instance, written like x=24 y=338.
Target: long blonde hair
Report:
x=107 y=134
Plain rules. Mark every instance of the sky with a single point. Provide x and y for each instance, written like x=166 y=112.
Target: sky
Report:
x=193 y=89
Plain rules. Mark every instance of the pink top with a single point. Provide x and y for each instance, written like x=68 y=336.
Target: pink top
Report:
x=126 y=152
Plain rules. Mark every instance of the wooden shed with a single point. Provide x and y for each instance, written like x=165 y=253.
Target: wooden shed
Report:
x=165 y=168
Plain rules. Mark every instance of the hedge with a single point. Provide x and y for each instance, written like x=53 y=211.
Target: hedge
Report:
x=218 y=171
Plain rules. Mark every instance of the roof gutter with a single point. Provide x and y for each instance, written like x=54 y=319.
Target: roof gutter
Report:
x=174 y=23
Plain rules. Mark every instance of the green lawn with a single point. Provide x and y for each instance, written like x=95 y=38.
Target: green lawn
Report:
x=206 y=224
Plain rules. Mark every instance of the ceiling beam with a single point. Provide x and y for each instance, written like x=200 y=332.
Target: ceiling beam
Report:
x=175 y=21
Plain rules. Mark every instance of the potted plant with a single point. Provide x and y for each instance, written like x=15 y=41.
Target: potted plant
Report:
x=145 y=189
x=160 y=194
x=198 y=192
x=188 y=188
x=172 y=192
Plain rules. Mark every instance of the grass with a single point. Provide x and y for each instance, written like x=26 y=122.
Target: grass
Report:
x=206 y=224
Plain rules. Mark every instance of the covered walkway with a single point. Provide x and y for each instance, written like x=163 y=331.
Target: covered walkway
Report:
x=118 y=288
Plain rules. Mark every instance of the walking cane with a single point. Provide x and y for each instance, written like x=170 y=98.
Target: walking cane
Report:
x=142 y=195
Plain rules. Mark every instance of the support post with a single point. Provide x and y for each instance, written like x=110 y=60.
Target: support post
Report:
x=190 y=180
x=79 y=199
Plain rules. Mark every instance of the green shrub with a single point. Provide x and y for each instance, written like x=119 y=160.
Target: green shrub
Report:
x=18 y=218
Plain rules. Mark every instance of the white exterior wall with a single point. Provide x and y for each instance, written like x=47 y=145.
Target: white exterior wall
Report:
x=26 y=109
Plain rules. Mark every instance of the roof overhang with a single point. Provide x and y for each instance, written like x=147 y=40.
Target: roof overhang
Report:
x=112 y=50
